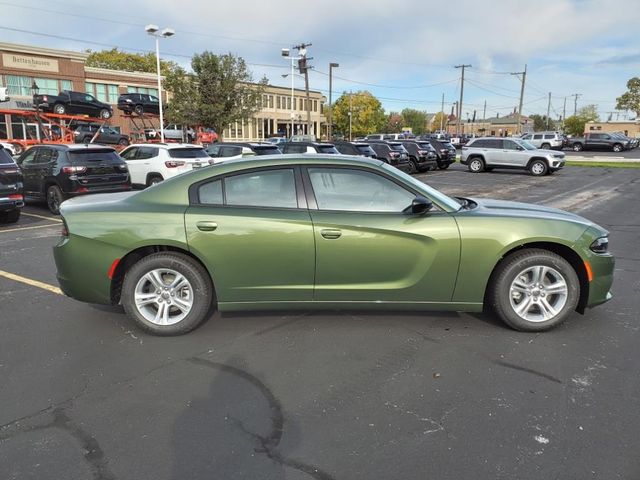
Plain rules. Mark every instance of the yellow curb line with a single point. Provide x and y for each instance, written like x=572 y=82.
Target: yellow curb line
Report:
x=33 y=283
x=27 y=228
x=52 y=219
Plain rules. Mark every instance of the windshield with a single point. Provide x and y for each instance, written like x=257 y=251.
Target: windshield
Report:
x=397 y=147
x=188 y=153
x=365 y=149
x=526 y=145
x=432 y=193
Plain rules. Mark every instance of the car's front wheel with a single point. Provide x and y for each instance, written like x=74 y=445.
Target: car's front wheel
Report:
x=538 y=168
x=617 y=148
x=104 y=113
x=577 y=147
x=167 y=293
x=534 y=290
x=476 y=165
x=54 y=198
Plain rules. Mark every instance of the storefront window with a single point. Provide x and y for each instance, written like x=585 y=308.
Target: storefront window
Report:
x=66 y=85
x=107 y=93
x=21 y=86
x=148 y=91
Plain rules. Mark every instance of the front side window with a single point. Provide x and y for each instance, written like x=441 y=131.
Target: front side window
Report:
x=537 y=137
x=230 y=151
x=270 y=188
x=130 y=153
x=510 y=145
x=349 y=190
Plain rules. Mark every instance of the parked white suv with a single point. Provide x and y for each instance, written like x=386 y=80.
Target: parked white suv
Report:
x=485 y=154
x=150 y=163
x=545 y=140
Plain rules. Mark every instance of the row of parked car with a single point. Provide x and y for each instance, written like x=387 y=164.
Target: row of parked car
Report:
x=68 y=102
x=55 y=172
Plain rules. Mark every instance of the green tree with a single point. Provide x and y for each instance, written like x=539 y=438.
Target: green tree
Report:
x=182 y=107
x=395 y=122
x=225 y=90
x=115 y=59
x=415 y=119
x=366 y=112
x=540 y=122
x=630 y=100
x=574 y=125
x=438 y=119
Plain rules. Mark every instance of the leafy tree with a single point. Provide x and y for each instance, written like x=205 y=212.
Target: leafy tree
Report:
x=225 y=90
x=540 y=122
x=415 y=119
x=439 y=117
x=182 y=107
x=395 y=123
x=574 y=125
x=366 y=112
x=630 y=100
x=132 y=62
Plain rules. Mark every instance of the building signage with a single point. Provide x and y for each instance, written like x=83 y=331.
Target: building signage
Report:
x=24 y=62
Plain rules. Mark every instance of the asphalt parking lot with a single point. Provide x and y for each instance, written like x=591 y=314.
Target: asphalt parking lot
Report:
x=343 y=395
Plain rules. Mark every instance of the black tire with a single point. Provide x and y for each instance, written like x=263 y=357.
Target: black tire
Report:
x=104 y=113
x=54 y=198
x=538 y=168
x=199 y=284
x=153 y=179
x=139 y=110
x=617 y=147
x=123 y=141
x=488 y=169
x=476 y=165
x=443 y=166
x=10 y=217
x=87 y=140
x=413 y=168
x=577 y=147
x=545 y=146
x=503 y=301
x=59 y=109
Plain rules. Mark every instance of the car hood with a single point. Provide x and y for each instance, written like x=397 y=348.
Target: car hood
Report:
x=527 y=210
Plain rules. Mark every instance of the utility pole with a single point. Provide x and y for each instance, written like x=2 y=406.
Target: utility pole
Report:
x=350 y=113
x=304 y=69
x=564 y=112
x=332 y=65
x=548 y=110
x=463 y=66
x=523 y=80
x=442 y=114
x=575 y=102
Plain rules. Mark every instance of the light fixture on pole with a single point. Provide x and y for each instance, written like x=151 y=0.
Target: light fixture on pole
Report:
x=332 y=65
x=154 y=31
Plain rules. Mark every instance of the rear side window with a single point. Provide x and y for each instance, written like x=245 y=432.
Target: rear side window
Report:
x=230 y=151
x=366 y=149
x=211 y=193
x=146 y=152
x=95 y=155
x=5 y=157
x=266 y=150
x=397 y=148
x=345 y=149
x=269 y=188
x=188 y=153
x=537 y=136
x=327 y=149
x=549 y=137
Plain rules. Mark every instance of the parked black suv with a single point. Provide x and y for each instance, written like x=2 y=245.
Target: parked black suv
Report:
x=308 y=147
x=56 y=172
x=71 y=103
x=11 y=200
x=445 y=151
x=361 y=149
x=107 y=135
x=138 y=103
x=393 y=153
x=421 y=155
x=259 y=148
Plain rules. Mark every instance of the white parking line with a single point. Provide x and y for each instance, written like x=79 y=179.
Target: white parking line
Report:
x=33 y=283
x=18 y=229
x=53 y=219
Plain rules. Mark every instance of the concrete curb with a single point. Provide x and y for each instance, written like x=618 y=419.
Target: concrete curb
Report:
x=578 y=158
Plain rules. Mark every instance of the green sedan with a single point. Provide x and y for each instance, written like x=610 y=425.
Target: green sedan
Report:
x=325 y=232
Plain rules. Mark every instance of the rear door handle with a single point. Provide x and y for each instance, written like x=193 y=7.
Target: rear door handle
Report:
x=331 y=234
x=206 y=226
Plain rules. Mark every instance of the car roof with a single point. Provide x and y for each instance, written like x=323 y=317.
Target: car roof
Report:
x=74 y=146
x=166 y=146
x=250 y=144
x=312 y=144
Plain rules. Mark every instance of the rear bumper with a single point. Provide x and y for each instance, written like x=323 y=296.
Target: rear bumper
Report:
x=7 y=205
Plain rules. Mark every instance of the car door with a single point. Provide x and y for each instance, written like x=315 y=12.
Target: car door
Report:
x=492 y=152
x=513 y=155
x=30 y=176
x=368 y=249
x=135 y=166
x=254 y=233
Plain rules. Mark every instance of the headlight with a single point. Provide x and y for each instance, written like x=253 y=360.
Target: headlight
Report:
x=600 y=245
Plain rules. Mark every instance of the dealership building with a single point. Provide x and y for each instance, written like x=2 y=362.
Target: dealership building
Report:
x=52 y=70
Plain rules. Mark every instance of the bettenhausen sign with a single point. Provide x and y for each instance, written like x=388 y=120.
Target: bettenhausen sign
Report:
x=41 y=64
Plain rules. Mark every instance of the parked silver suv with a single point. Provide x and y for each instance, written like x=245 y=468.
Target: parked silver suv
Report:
x=545 y=140
x=485 y=154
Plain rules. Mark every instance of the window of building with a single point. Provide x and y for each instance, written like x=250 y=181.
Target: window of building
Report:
x=21 y=86
x=107 y=93
x=145 y=90
x=270 y=101
x=301 y=104
x=66 y=85
x=315 y=105
x=288 y=103
x=278 y=101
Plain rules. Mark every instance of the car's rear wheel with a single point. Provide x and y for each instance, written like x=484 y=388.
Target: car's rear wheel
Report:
x=59 y=108
x=538 y=168
x=443 y=166
x=139 y=109
x=10 y=217
x=534 y=290
x=104 y=113
x=54 y=198
x=153 y=179
x=577 y=147
x=545 y=146
x=167 y=293
x=413 y=166
x=476 y=165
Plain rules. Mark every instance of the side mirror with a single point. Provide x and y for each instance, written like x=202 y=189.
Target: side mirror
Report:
x=520 y=147
x=420 y=205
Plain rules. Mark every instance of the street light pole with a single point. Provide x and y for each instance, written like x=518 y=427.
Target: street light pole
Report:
x=330 y=130
x=166 y=33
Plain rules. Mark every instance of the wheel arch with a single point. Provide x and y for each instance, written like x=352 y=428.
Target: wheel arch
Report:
x=476 y=155
x=133 y=256
x=559 y=249
x=151 y=175
x=533 y=159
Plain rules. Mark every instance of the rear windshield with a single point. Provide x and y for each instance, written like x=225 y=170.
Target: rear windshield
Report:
x=425 y=145
x=188 y=153
x=94 y=155
x=267 y=150
x=5 y=157
x=397 y=148
x=327 y=149
x=364 y=148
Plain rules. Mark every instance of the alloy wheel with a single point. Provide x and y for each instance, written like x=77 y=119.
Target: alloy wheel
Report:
x=163 y=296
x=538 y=293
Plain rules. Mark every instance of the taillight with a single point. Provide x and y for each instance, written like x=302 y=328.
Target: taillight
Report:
x=45 y=98
x=393 y=154
x=16 y=196
x=82 y=190
x=11 y=170
x=173 y=163
x=72 y=170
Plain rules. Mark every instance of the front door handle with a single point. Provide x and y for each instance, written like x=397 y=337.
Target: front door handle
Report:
x=206 y=226
x=331 y=234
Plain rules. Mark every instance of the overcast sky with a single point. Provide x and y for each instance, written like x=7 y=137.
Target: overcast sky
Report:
x=402 y=51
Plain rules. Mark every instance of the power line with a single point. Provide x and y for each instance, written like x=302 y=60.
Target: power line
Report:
x=413 y=87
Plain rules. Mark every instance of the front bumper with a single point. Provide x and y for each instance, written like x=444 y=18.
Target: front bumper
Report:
x=602 y=267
